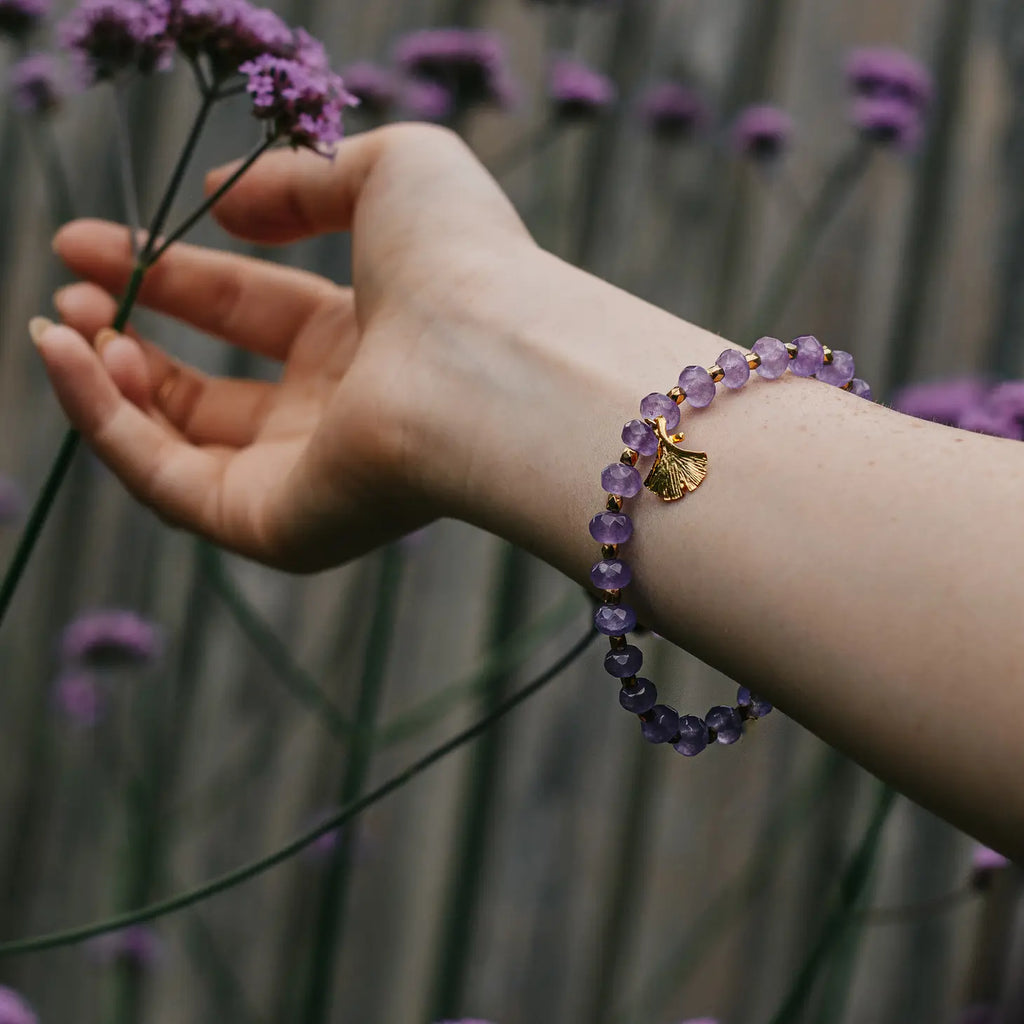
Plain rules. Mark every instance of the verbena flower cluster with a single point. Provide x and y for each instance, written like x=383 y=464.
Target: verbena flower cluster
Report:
x=110 y=639
x=892 y=92
x=577 y=92
x=36 y=84
x=968 y=403
x=19 y=17
x=106 y=37
x=137 y=945
x=762 y=132
x=14 y=1009
x=673 y=111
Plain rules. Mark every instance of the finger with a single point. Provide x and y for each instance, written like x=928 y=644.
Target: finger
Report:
x=181 y=482
x=251 y=303
x=204 y=409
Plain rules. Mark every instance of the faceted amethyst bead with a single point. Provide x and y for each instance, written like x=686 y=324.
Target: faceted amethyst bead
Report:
x=638 y=436
x=624 y=663
x=860 y=388
x=698 y=385
x=618 y=478
x=614 y=619
x=809 y=358
x=662 y=725
x=693 y=733
x=774 y=358
x=756 y=707
x=725 y=723
x=734 y=367
x=840 y=371
x=611 y=574
x=639 y=698
x=611 y=528
x=655 y=405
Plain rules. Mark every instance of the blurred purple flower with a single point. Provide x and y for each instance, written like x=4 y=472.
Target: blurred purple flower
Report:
x=882 y=72
x=427 y=101
x=577 y=92
x=137 y=945
x=14 y=1009
x=888 y=122
x=107 y=639
x=374 y=86
x=469 y=63
x=303 y=104
x=983 y=419
x=762 y=132
x=19 y=17
x=230 y=32
x=36 y=87
x=106 y=37
x=984 y=865
x=1007 y=398
x=672 y=111
x=12 y=501
x=78 y=697
x=941 y=401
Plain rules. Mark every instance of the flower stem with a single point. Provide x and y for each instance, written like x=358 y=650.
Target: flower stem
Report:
x=232 y=879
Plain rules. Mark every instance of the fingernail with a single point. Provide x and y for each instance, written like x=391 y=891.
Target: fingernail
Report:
x=37 y=327
x=103 y=338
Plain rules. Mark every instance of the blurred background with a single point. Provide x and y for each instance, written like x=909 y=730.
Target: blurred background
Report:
x=168 y=713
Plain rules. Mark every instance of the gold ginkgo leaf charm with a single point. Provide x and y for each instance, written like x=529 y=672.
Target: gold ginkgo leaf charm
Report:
x=675 y=470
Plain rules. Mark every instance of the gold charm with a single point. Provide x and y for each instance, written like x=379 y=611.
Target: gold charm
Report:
x=675 y=470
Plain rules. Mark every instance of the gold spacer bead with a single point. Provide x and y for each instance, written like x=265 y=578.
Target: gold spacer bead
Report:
x=616 y=642
x=717 y=373
x=677 y=394
x=753 y=359
x=791 y=349
x=629 y=683
x=826 y=353
x=611 y=596
x=628 y=457
x=609 y=550
x=614 y=503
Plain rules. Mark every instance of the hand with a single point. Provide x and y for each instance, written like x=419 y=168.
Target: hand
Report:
x=322 y=465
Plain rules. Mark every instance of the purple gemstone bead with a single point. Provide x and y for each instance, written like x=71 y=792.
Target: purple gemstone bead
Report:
x=725 y=723
x=774 y=358
x=624 y=663
x=657 y=404
x=756 y=707
x=611 y=574
x=618 y=478
x=638 y=436
x=639 y=698
x=809 y=358
x=611 y=528
x=698 y=385
x=734 y=367
x=861 y=388
x=840 y=371
x=693 y=733
x=662 y=725
x=614 y=619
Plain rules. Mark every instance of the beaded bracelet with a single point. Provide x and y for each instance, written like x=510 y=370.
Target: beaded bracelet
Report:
x=673 y=472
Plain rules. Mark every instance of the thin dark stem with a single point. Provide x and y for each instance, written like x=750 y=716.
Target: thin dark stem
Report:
x=210 y=201
x=258 y=867
x=851 y=889
x=124 y=154
x=337 y=882
x=783 y=278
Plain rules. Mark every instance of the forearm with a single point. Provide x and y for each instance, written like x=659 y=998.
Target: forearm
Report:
x=846 y=561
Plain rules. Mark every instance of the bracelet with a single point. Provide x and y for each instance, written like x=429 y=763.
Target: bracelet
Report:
x=673 y=473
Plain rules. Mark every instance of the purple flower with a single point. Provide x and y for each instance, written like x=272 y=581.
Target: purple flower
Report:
x=672 y=111
x=108 y=639
x=137 y=945
x=942 y=401
x=303 y=104
x=36 y=86
x=762 y=132
x=14 y=1009
x=888 y=122
x=19 y=17
x=77 y=696
x=984 y=419
x=984 y=865
x=881 y=72
x=578 y=93
x=12 y=501
x=374 y=86
x=106 y=37
x=469 y=63
x=427 y=101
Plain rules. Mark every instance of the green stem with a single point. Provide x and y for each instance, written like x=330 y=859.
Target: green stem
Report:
x=258 y=867
x=835 y=189
x=334 y=892
x=851 y=888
